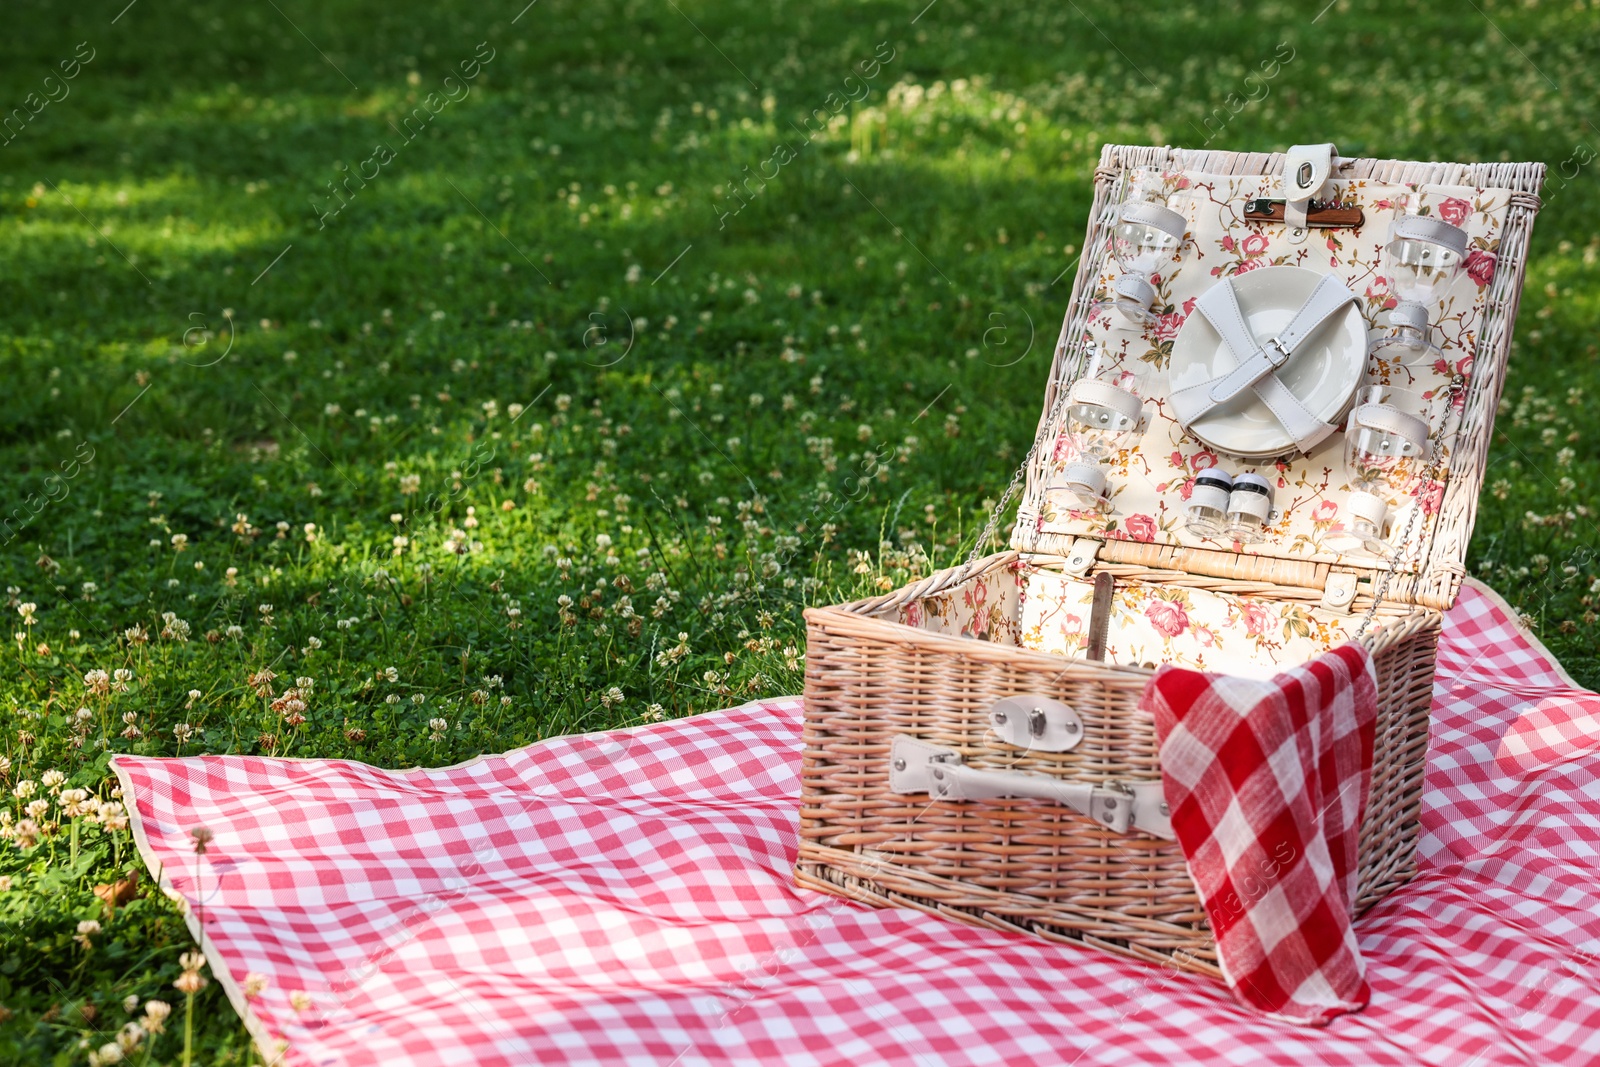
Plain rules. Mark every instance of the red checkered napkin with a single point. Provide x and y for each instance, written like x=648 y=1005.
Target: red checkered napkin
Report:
x=1267 y=781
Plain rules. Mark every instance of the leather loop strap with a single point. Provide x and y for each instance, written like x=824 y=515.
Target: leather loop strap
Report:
x=1409 y=315
x=1391 y=420
x=1430 y=229
x=1105 y=395
x=1133 y=288
x=1168 y=221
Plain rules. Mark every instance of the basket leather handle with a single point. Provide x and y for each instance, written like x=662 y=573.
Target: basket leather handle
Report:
x=917 y=766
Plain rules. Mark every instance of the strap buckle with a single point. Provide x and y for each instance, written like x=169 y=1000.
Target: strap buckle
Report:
x=1274 y=345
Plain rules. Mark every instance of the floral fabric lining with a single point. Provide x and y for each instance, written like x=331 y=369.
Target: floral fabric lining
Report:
x=1151 y=481
x=1048 y=611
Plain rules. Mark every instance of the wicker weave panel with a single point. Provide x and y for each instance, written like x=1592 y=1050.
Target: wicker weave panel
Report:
x=1025 y=864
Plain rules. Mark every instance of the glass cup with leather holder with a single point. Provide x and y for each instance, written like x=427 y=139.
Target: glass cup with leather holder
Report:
x=1385 y=441
x=1422 y=258
x=1145 y=235
x=1104 y=416
x=1207 y=513
x=1249 y=505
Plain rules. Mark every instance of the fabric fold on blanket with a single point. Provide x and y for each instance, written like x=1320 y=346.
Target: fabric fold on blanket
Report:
x=628 y=898
x=1267 y=782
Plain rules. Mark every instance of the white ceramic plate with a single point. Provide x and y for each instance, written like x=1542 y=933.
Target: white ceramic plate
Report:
x=1323 y=371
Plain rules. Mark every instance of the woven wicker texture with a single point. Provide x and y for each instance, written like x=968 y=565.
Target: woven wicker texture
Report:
x=1027 y=865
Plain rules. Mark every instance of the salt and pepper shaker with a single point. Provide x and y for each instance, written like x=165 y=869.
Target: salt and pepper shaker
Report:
x=1248 y=507
x=1207 y=514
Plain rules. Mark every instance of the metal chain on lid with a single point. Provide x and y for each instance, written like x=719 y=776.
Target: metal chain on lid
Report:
x=1381 y=590
x=991 y=528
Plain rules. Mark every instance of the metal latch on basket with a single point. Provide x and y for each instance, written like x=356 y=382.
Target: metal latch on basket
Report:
x=1306 y=170
x=1036 y=722
x=1339 y=594
x=917 y=766
x=1080 y=557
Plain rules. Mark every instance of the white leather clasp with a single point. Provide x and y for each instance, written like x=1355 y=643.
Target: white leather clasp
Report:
x=1306 y=169
x=1340 y=592
x=1080 y=557
x=1038 y=722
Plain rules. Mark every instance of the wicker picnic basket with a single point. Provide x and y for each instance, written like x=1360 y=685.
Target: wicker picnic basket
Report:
x=940 y=666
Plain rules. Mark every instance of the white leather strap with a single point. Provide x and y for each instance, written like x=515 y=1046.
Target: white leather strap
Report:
x=1257 y=363
x=1409 y=315
x=1306 y=169
x=1430 y=229
x=1220 y=306
x=1256 y=505
x=1135 y=289
x=1367 y=507
x=1105 y=395
x=1088 y=479
x=1392 y=420
x=1168 y=221
x=1307 y=430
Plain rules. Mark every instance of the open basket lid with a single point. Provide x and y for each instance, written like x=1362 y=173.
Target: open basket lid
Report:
x=1494 y=203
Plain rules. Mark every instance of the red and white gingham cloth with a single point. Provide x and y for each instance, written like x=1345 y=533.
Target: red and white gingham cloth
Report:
x=628 y=899
x=1267 y=782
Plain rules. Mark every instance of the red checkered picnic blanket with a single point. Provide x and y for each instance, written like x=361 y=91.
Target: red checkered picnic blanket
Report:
x=1267 y=782
x=627 y=898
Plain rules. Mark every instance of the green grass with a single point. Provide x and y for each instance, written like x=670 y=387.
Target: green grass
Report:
x=725 y=414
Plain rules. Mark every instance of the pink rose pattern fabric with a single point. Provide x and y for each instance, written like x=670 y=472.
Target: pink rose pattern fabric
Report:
x=1153 y=480
x=984 y=608
x=1047 y=611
